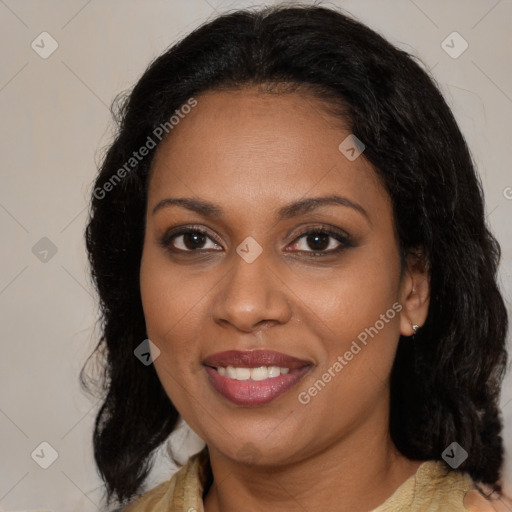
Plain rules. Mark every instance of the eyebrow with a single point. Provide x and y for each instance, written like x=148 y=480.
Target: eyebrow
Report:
x=294 y=209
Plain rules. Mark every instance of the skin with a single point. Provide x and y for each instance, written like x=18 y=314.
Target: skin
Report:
x=252 y=153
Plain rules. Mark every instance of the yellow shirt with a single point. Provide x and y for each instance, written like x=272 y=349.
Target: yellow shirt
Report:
x=433 y=488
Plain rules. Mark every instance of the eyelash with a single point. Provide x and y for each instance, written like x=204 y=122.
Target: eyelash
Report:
x=344 y=239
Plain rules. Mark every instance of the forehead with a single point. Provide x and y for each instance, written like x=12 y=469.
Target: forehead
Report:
x=247 y=145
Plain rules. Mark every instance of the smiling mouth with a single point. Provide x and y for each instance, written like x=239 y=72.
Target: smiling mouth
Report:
x=254 y=378
x=257 y=374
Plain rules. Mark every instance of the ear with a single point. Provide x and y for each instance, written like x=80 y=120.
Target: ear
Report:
x=414 y=291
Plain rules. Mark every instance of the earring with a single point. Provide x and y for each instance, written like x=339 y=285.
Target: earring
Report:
x=415 y=327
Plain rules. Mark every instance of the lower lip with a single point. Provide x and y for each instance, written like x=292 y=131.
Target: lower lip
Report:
x=254 y=392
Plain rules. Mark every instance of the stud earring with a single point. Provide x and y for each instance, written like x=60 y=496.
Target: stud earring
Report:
x=415 y=327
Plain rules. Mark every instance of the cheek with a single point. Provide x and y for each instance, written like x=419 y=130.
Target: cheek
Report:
x=172 y=309
x=354 y=295
x=171 y=314
x=167 y=299
x=352 y=381
x=357 y=312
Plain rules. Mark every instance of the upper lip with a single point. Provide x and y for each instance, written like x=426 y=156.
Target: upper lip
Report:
x=253 y=359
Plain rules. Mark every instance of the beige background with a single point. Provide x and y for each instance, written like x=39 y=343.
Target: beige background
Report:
x=55 y=121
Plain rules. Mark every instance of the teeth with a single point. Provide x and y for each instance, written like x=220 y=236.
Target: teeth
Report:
x=242 y=373
x=274 y=371
x=262 y=373
x=259 y=373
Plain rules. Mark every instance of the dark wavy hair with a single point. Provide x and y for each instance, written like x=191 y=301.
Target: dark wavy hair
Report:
x=445 y=384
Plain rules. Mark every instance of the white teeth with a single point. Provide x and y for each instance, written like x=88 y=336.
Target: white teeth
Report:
x=259 y=373
x=274 y=371
x=243 y=373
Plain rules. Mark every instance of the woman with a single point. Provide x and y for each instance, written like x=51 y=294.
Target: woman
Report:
x=291 y=215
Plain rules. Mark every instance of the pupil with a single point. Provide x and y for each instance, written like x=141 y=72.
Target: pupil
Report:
x=193 y=240
x=318 y=241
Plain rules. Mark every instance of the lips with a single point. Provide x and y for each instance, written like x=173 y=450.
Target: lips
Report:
x=252 y=378
x=253 y=359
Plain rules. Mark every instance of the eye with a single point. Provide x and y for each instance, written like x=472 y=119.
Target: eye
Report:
x=314 y=242
x=188 y=240
x=320 y=242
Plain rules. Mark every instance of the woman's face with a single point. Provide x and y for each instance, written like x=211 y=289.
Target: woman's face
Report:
x=240 y=274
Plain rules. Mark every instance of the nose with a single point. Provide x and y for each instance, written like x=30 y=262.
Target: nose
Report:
x=251 y=297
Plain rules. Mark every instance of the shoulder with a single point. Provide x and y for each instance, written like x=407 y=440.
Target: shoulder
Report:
x=184 y=489
x=150 y=500
x=486 y=501
x=437 y=488
x=455 y=490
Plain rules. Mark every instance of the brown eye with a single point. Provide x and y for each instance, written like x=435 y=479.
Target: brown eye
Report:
x=320 y=242
x=194 y=240
x=189 y=240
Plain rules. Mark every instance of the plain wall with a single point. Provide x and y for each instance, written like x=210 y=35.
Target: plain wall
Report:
x=56 y=121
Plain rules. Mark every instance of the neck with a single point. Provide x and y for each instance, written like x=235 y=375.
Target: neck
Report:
x=360 y=471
